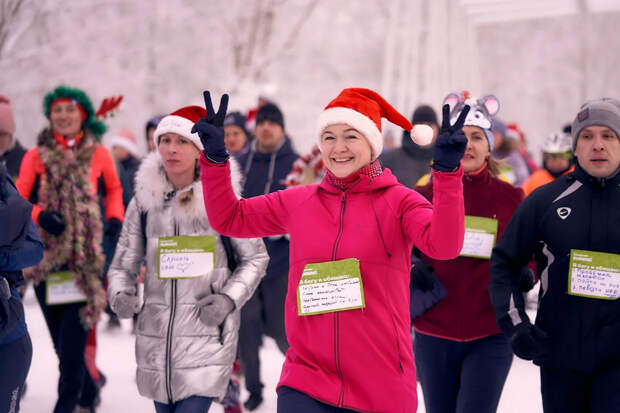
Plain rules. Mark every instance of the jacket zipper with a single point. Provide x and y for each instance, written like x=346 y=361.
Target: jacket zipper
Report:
x=336 y=320
x=173 y=307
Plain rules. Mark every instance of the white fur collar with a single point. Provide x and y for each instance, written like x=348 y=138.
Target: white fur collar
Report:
x=152 y=187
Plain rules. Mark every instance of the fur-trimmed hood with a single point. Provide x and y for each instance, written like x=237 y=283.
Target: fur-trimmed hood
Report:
x=153 y=189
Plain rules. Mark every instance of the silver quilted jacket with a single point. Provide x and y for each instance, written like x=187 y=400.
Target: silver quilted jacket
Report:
x=177 y=355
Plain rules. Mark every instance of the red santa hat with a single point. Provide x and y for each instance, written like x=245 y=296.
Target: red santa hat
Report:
x=181 y=122
x=125 y=139
x=363 y=110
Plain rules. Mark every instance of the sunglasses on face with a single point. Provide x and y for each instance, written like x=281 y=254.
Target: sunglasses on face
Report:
x=565 y=155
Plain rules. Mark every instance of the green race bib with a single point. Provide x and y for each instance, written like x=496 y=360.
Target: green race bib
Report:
x=480 y=236
x=327 y=287
x=594 y=274
x=185 y=257
x=62 y=289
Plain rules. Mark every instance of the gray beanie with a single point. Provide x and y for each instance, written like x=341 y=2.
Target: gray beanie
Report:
x=601 y=112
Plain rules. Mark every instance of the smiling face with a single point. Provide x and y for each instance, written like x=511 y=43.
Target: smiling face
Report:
x=344 y=149
x=179 y=156
x=598 y=151
x=477 y=150
x=66 y=118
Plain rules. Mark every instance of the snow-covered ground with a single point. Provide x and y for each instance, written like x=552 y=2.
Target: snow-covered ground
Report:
x=116 y=359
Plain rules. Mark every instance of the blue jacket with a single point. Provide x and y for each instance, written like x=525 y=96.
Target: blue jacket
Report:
x=264 y=173
x=20 y=247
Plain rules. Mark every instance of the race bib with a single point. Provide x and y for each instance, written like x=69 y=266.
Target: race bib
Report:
x=185 y=257
x=328 y=287
x=62 y=289
x=480 y=236
x=594 y=274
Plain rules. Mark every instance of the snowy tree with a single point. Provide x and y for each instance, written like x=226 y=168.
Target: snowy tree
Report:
x=13 y=23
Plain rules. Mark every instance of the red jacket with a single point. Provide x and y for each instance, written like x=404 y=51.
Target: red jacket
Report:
x=102 y=165
x=357 y=359
x=466 y=313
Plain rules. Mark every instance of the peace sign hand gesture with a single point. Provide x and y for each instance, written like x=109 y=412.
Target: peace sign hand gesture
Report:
x=210 y=129
x=451 y=142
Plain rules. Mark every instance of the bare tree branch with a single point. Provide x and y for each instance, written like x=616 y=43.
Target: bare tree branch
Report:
x=8 y=14
x=290 y=41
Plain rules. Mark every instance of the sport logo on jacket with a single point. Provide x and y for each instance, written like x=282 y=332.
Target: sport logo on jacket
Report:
x=563 y=212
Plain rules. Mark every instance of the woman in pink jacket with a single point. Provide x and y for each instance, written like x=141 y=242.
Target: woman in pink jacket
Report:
x=347 y=306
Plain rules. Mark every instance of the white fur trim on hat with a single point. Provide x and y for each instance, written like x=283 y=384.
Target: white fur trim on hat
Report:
x=125 y=143
x=355 y=119
x=179 y=125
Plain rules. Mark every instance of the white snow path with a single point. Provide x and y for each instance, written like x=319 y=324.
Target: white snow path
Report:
x=115 y=357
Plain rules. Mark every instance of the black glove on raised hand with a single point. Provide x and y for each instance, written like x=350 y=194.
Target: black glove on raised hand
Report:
x=529 y=342
x=451 y=142
x=114 y=228
x=422 y=276
x=52 y=222
x=526 y=279
x=211 y=129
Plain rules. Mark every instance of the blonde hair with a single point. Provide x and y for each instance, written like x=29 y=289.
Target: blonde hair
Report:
x=494 y=166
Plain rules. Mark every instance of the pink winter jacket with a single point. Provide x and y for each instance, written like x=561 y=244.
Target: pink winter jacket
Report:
x=357 y=359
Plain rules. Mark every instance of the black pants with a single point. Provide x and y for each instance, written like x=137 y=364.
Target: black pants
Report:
x=15 y=358
x=262 y=314
x=571 y=391
x=75 y=386
x=460 y=376
x=293 y=401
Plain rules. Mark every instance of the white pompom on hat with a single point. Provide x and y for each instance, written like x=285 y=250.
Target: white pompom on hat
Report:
x=181 y=122
x=125 y=139
x=363 y=110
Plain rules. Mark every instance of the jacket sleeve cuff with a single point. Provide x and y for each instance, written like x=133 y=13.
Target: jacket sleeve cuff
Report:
x=206 y=161
x=456 y=173
x=236 y=291
x=36 y=210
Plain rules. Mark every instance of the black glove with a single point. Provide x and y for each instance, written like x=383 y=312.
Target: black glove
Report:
x=114 y=228
x=526 y=279
x=53 y=222
x=422 y=276
x=529 y=342
x=211 y=129
x=451 y=142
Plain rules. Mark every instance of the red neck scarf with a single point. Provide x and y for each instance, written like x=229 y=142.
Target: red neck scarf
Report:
x=371 y=170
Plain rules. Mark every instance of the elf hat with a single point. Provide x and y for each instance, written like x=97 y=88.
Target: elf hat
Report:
x=363 y=110
x=125 y=139
x=81 y=100
x=181 y=122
